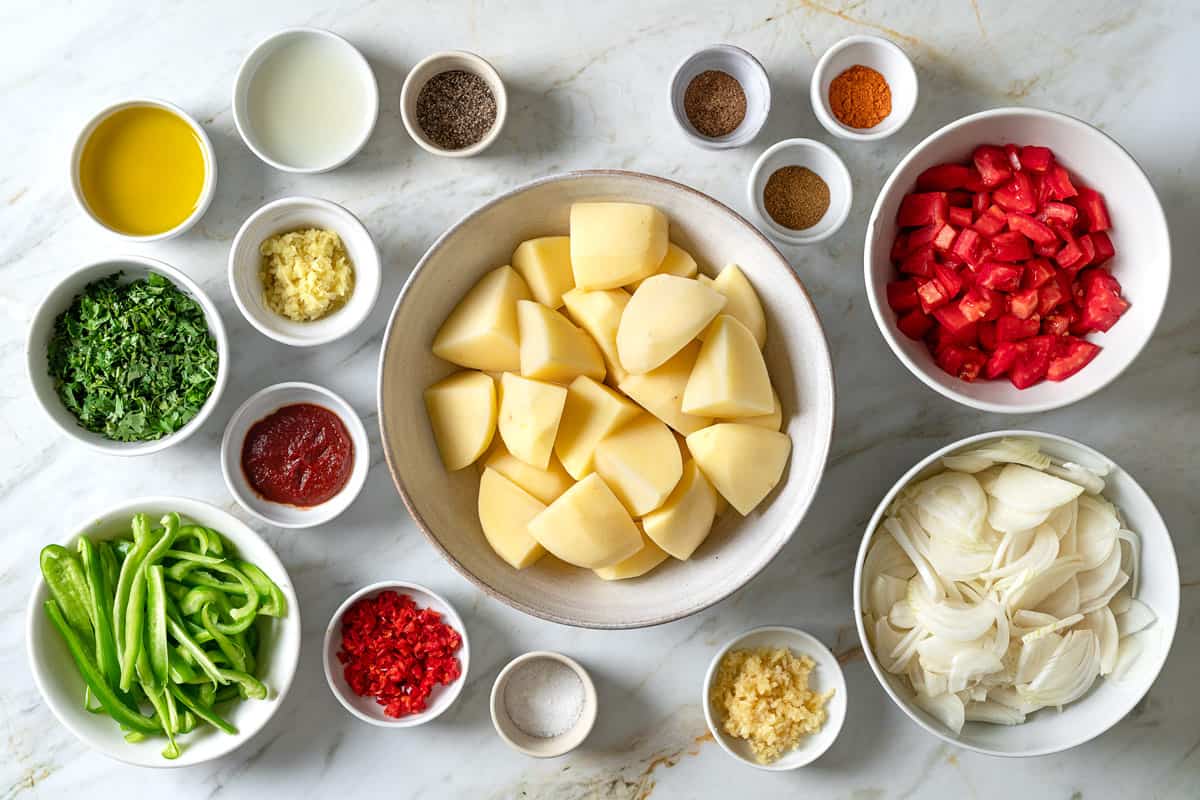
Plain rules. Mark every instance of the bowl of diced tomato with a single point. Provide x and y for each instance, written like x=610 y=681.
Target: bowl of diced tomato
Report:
x=1017 y=260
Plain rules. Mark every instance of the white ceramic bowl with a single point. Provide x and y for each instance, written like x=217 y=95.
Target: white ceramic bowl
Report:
x=551 y=746
x=61 y=686
x=747 y=70
x=207 y=190
x=444 y=504
x=1049 y=731
x=436 y=64
x=365 y=79
x=57 y=301
x=1142 y=263
x=291 y=214
x=825 y=676
x=880 y=55
x=367 y=708
x=820 y=159
x=265 y=402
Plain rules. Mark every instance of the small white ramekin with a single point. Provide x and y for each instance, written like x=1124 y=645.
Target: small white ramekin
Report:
x=436 y=64
x=747 y=70
x=535 y=746
x=366 y=708
x=207 y=190
x=878 y=54
x=254 y=59
x=821 y=160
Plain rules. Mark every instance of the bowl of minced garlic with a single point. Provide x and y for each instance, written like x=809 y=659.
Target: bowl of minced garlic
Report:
x=775 y=698
x=305 y=274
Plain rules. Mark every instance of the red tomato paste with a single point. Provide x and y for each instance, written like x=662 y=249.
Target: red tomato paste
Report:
x=301 y=455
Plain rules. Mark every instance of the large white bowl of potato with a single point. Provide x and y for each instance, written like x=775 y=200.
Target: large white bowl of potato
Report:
x=606 y=398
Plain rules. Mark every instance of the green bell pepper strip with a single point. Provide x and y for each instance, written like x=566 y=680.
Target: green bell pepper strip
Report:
x=194 y=650
x=208 y=695
x=156 y=624
x=100 y=592
x=226 y=693
x=187 y=720
x=233 y=650
x=135 y=609
x=181 y=671
x=181 y=571
x=273 y=601
x=65 y=579
x=156 y=694
x=121 y=713
x=130 y=568
x=248 y=686
x=199 y=539
x=203 y=712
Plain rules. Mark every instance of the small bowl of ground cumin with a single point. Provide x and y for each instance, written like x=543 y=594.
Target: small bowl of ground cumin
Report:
x=720 y=97
x=453 y=104
x=864 y=88
x=801 y=191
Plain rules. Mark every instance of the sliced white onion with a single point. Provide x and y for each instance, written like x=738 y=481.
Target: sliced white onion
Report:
x=1039 y=555
x=1097 y=527
x=885 y=591
x=970 y=665
x=1030 y=490
x=1007 y=519
x=947 y=709
x=958 y=623
x=1094 y=582
x=1026 y=589
x=1068 y=673
x=1091 y=482
x=994 y=713
x=951 y=505
x=1104 y=625
x=1005 y=451
x=1127 y=655
x=1137 y=618
x=1104 y=599
x=1034 y=655
x=893 y=526
x=1063 y=601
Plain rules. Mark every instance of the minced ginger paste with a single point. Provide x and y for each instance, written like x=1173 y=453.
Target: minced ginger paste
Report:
x=305 y=274
x=763 y=696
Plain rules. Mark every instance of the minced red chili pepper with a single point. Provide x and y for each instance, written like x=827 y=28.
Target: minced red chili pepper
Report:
x=397 y=653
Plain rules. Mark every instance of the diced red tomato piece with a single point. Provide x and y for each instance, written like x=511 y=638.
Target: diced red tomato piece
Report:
x=922 y=208
x=976 y=304
x=980 y=201
x=1070 y=356
x=921 y=237
x=1062 y=213
x=999 y=276
x=1032 y=362
x=966 y=245
x=1037 y=272
x=1058 y=183
x=1104 y=247
x=1050 y=297
x=1022 y=304
x=992 y=164
x=932 y=294
x=991 y=221
x=943 y=177
x=1002 y=359
x=956 y=323
x=1030 y=228
x=1010 y=246
x=1011 y=329
x=987 y=335
x=1091 y=203
x=1101 y=310
x=1036 y=159
x=1099 y=280
x=944 y=237
x=902 y=295
x=1046 y=250
x=914 y=324
x=1071 y=256
x=919 y=262
x=964 y=363
x=949 y=279
x=1089 y=250
x=1017 y=195
x=1013 y=156
x=899 y=247
x=959 y=198
x=962 y=217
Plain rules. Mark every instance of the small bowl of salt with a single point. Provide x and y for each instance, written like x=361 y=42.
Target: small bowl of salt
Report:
x=543 y=704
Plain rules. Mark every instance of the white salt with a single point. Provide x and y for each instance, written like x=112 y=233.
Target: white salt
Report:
x=543 y=698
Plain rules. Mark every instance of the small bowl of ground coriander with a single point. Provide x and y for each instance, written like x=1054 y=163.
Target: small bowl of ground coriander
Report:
x=801 y=191
x=864 y=88
x=720 y=97
x=453 y=104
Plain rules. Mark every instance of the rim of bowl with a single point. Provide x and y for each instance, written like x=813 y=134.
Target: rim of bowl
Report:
x=484 y=69
x=242 y=78
x=842 y=178
x=573 y=736
x=869 y=535
x=207 y=191
x=814 y=643
x=820 y=102
x=451 y=692
x=730 y=141
x=886 y=326
x=33 y=610
x=826 y=366
x=240 y=488
x=36 y=352
x=351 y=221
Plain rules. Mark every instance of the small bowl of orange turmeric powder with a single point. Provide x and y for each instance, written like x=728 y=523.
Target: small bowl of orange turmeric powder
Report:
x=864 y=88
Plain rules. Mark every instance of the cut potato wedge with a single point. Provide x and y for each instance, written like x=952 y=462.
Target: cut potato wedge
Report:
x=730 y=378
x=529 y=415
x=686 y=518
x=664 y=314
x=641 y=463
x=743 y=462
x=545 y=264
x=772 y=421
x=592 y=411
x=637 y=565
x=462 y=413
x=599 y=313
x=587 y=526
x=544 y=484
x=660 y=391
x=505 y=511
x=742 y=301
x=676 y=262
x=481 y=332
x=552 y=349
x=614 y=244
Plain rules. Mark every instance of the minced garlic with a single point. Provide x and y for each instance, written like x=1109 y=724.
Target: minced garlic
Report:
x=763 y=696
x=305 y=274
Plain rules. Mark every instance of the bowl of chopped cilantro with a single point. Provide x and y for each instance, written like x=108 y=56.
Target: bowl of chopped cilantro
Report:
x=127 y=355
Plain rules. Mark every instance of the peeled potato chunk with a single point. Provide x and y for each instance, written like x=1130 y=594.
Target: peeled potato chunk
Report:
x=545 y=264
x=637 y=565
x=587 y=526
x=462 y=412
x=660 y=391
x=664 y=314
x=614 y=244
x=685 y=519
x=481 y=332
x=742 y=301
x=676 y=262
x=552 y=349
x=730 y=377
x=772 y=421
x=505 y=510
x=743 y=462
x=640 y=463
x=529 y=415
x=544 y=484
x=592 y=412
x=599 y=313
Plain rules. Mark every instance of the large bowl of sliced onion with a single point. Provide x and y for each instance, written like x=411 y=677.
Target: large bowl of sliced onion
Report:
x=1016 y=593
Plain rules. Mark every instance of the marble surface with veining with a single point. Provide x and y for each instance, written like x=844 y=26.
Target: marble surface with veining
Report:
x=587 y=84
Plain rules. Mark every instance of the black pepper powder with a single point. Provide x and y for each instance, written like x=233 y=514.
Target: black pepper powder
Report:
x=715 y=103
x=456 y=109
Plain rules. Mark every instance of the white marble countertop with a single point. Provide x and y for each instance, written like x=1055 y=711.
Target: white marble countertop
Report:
x=587 y=89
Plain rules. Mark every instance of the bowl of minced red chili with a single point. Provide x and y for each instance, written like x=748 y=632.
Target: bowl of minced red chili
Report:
x=295 y=455
x=396 y=654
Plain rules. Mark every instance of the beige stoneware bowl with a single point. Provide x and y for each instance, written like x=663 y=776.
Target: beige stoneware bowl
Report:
x=444 y=504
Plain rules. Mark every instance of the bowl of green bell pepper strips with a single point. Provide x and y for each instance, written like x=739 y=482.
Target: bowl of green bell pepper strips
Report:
x=165 y=632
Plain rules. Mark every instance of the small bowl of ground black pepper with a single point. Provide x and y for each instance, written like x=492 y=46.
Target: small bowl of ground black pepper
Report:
x=801 y=191
x=864 y=88
x=720 y=97
x=453 y=104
